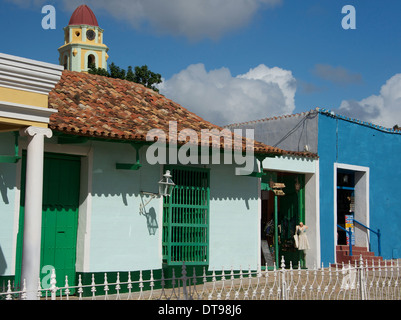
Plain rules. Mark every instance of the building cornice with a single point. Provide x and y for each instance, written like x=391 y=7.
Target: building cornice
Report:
x=28 y=75
x=25 y=112
x=84 y=45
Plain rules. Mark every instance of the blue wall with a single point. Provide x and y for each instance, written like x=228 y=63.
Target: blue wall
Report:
x=327 y=155
x=348 y=142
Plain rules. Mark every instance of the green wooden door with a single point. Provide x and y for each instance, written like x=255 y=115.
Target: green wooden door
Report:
x=61 y=182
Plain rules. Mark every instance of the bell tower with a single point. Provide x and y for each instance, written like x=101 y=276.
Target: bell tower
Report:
x=83 y=42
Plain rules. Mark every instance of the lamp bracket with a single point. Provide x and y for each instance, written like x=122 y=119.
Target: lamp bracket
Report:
x=142 y=206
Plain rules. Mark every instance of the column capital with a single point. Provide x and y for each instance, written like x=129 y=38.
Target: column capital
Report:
x=33 y=131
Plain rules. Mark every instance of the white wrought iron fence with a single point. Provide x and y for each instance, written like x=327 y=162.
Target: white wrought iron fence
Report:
x=359 y=281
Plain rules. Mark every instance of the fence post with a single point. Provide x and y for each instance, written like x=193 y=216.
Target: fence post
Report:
x=362 y=280
x=184 y=281
x=67 y=290
x=9 y=291
x=23 y=293
x=53 y=282
x=283 y=280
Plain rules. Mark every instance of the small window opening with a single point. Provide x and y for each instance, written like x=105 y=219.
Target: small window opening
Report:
x=91 y=61
x=65 y=63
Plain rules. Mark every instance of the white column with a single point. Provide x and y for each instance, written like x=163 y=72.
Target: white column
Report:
x=33 y=208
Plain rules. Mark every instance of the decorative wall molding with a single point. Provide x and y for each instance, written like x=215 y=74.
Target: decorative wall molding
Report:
x=28 y=75
x=25 y=112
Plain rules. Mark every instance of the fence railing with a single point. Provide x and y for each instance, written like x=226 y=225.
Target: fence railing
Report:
x=359 y=281
x=377 y=233
x=349 y=232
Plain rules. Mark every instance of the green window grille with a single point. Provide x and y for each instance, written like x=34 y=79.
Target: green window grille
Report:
x=186 y=217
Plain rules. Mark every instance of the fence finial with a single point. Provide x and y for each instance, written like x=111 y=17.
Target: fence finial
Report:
x=118 y=286
x=24 y=295
x=67 y=290
x=39 y=294
x=53 y=283
x=93 y=286
x=9 y=291
x=106 y=287
x=80 y=289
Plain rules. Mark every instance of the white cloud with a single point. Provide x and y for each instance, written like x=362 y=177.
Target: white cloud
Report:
x=383 y=109
x=194 y=19
x=222 y=99
x=338 y=75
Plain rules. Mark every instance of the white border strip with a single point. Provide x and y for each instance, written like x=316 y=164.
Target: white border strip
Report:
x=351 y=168
x=25 y=112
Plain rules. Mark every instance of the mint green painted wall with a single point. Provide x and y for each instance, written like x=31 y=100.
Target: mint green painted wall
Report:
x=234 y=219
x=119 y=236
x=7 y=206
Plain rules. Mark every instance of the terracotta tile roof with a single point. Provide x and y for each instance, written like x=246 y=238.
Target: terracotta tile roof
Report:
x=102 y=107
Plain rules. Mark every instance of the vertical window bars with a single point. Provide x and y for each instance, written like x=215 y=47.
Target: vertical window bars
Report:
x=186 y=217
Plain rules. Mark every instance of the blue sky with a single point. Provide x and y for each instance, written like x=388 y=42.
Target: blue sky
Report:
x=239 y=60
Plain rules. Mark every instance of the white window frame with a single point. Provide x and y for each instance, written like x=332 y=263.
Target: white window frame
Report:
x=362 y=212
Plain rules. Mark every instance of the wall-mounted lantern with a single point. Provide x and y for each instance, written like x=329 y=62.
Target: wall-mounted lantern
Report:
x=166 y=185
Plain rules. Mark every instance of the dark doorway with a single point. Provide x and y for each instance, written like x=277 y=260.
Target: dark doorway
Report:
x=290 y=211
x=345 y=202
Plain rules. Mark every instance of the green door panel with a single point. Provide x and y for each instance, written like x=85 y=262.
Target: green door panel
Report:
x=61 y=182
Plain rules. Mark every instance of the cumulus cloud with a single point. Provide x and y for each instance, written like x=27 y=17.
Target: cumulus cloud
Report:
x=193 y=19
x=221 y=98
x=383 y=109
x=338 y=75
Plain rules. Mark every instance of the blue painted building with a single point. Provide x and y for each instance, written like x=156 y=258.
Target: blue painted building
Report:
x=359 y=172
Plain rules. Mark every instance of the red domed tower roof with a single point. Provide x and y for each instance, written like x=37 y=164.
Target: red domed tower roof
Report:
x=83 y=15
